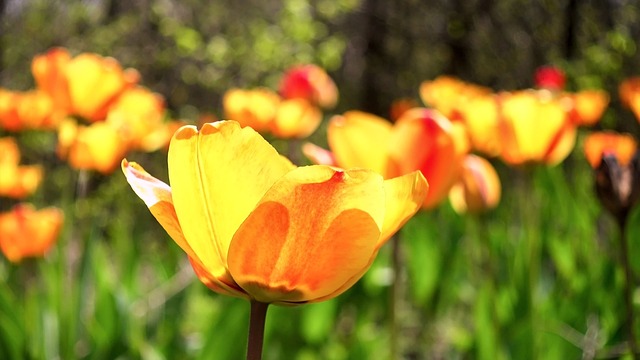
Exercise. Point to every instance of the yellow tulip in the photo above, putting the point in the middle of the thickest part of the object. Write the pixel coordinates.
(255, 226)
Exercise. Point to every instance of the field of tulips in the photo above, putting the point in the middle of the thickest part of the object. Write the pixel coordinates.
(472, 223)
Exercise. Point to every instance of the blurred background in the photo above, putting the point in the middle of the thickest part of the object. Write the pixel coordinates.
(116, 287)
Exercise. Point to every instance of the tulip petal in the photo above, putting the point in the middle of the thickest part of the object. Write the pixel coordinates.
(404, 197)
(217, 176)
(309, 235)
(358, 139)
(425, 140)
(157, 196)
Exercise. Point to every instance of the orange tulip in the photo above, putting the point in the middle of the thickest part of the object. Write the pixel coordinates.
(478, 189)
(587, 106)
(630, 95)
(84, 85)
(535, 127)
(16, 181)
(9, 119)
(255, 108)
(616, 162)
(422, 139)
(22, 110)
(257, 227)
(49, 71)
(99, 146)
(309, 82)
(598, 144)
(26, 232)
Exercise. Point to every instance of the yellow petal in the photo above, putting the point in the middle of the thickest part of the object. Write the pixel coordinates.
(217, 177)
(359, 139)
(311, 233)
(404, 197)
(157, 196)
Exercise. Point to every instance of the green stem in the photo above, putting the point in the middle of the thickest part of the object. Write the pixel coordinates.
(395, 297)
(256, 330)
(628, 287)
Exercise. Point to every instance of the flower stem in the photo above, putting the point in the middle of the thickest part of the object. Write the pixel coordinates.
(628, 287)
(395, 297)
(256, 330)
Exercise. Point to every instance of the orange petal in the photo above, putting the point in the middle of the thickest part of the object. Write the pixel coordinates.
(596, 144)
(27, 232)
(217, 177)
(359, 139)
(425, 140)
(311, 233)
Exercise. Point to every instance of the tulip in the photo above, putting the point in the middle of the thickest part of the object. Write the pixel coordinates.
(84, 85)
(587, 106)
(26, 232)
(255, 108)
(480, 115)
(99, 146)
(295, 118)
(138, 114)
(446, 93)
(478, 189)
(309, 82)
(616, 161)
(255, 226)
(614, 158)
(16, 181)
(422, 139)
(629, 91)
(535, 128)
(9, 119)
(550, 77)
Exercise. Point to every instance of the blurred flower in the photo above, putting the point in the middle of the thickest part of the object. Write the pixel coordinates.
(446, 93)
(535, 128)
(26, 232)
(550, 77)
(296, 118)
(255, 226)
(309, 82)
(98, 146)
(629, 91)
(255, 108)
(264, 111)
(480, 115)
(16, 181)
(616, 162)
(138, 114)
(22, 110)
(587, 106)
(84, 85)
(478, 189)
(422, 139)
